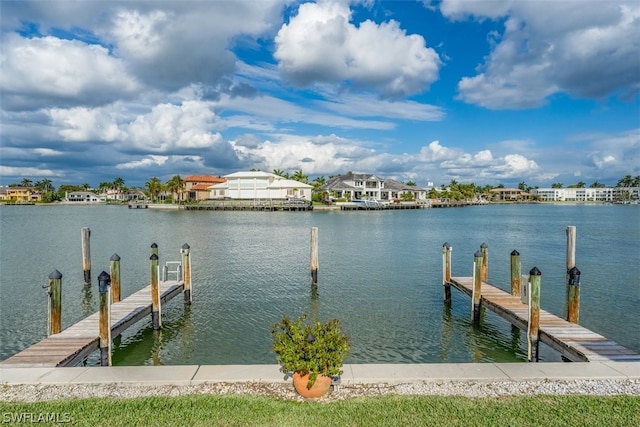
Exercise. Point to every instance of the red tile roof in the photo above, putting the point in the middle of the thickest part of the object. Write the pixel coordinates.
(202, 186)
(204, 178)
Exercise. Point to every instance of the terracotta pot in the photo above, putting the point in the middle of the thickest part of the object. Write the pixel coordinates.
(319, 388)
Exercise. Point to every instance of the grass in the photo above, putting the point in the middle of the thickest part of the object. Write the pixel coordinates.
(390, 410)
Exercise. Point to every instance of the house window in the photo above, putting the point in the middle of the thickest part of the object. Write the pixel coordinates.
(358, 183)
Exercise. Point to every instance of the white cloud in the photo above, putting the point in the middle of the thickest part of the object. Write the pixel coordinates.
(541, 52)
(28, 171)
(84, 125)
(320, 44)
(49, 71)
(169, 127)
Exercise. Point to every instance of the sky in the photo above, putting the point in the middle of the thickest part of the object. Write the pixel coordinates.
(485, 92)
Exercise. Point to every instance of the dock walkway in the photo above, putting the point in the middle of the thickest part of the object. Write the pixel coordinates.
(74, 344)
(574, 342)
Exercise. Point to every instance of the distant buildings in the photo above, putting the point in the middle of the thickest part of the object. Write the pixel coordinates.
(359, 186)
(259, 185)
(20, 194)
(604, 194)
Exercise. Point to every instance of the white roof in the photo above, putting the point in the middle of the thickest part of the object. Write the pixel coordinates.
(251, 174)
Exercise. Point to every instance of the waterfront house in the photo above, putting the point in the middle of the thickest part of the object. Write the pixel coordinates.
(83, 197)
(355, 186)
(259, 185)
(20, 194)
(509, 195)
(196, 187)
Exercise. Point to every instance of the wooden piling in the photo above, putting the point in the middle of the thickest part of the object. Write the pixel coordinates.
(446, 271)
(86, 255)
(477, 286)
(154, 249)
(115, 277)
(155, 293)
(515, 273)
(572, 290)
(534, 315)
(484, 248)
(55, 303)
(186, 273)
(573, 296)
(314, 255)
(104, 286)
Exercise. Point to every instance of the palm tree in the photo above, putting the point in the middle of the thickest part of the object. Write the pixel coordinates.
(556, 185)
(175, 185)
(278, 172)
(300, 177)
(627, 181)
(636, 181)
(596, 184)
(581, 184)
(154, 186)
(26, 182)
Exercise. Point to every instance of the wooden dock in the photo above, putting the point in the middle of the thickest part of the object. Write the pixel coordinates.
(74, 344)
(574, 342)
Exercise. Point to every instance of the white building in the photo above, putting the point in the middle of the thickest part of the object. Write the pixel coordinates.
(259, 185)
(604, 194)
(84, 197)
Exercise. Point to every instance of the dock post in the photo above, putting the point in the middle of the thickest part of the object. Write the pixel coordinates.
(573, 295)
(186, 273)
(515, 273)
(154, 249)
(155, 293)
(571, 263)
(115, 277)
(104, 286)
(314, 255)
(55, 303)
(485, 261)
(446, 271)
(86, 255)
(477, 286)
(534, 314)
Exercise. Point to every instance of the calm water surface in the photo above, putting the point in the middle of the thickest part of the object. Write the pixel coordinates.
(380, 273)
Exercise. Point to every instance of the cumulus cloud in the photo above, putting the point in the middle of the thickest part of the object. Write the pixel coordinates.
(84, 124)
(168, 127)
(48, 71)
(320, 44)
(541, 52)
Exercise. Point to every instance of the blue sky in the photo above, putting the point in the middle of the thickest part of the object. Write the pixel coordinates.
(490, 92)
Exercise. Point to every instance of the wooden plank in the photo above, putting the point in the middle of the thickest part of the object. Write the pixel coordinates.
(573, 341)
(73, 345)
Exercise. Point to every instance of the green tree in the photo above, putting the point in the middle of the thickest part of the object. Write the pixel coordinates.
(556, 185)
(300, 177)
(411, 183)
(596, 184)
(175, 185)
(636, 181)
(154, 186)
(26, 182)
(278, 172)
(627, 181)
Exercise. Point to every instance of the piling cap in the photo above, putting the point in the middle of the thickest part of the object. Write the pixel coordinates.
(153, 257)
(535, 272)
(446, 245)
(484, 246)
(478, 254)
(115, 257)
(55, 274)
(186, 246)
(104, 280)
(515, 253)
(154, 245)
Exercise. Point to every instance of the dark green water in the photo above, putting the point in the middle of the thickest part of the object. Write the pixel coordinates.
(380, 273)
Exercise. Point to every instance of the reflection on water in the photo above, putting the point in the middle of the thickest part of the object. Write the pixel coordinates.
(379, 272)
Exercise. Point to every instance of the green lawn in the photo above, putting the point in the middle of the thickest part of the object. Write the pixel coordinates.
(390, 410)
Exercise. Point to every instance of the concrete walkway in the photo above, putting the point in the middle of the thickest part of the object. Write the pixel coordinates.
(353, 374)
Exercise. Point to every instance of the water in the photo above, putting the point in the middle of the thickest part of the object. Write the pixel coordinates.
(379, 272)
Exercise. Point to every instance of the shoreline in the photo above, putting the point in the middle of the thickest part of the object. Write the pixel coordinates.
(442, 379)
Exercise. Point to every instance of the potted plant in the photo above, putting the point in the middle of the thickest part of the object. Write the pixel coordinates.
(313, 351)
